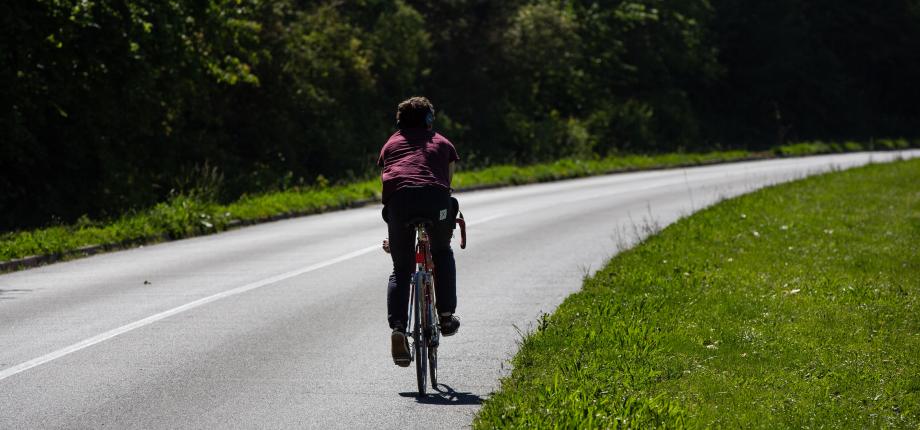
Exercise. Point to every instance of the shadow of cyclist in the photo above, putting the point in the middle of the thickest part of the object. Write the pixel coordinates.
(446, 395)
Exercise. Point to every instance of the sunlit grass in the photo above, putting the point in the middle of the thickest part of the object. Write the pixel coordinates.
(820, 147)
(792, 307)
(185, 216)
(190, 215)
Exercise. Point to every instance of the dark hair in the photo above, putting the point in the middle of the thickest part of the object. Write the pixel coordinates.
(414, 112)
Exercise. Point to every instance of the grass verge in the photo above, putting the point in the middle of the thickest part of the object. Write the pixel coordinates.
(792, 307)
(187, 215)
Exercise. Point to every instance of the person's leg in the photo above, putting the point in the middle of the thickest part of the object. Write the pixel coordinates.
(445, 267)
(403, 254)
(401, 242)
(445, 271)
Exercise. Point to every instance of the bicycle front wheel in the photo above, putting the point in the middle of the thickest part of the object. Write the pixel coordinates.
(420, 338)
(421, 371)
(433, 335)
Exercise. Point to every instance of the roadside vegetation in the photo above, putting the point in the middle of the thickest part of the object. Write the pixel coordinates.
(109, 105)
(197, 212)
(792, 307)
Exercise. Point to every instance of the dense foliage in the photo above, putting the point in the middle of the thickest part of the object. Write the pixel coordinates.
(112, 105)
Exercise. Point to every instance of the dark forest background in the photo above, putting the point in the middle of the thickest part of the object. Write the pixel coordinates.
(108, 106)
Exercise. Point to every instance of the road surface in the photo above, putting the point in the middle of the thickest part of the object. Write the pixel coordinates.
(283, 325)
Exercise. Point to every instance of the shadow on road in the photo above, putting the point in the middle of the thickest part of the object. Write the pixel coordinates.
(446, 395)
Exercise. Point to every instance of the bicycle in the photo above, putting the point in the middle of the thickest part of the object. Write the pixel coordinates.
(426, 332)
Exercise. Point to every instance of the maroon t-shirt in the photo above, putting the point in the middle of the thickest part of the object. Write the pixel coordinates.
(414, 158)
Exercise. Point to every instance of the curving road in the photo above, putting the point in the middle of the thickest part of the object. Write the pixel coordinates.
(283, 325)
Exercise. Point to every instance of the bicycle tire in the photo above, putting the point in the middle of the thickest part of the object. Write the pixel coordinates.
(433, 337)
(433, 366)
(418, 333)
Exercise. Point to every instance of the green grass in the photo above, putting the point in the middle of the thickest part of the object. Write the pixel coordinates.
(570, 168)
(185, 216)
(820, 147)
(793, 307)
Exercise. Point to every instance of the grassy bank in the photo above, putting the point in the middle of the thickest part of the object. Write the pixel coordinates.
(792, 307)
(191, 215)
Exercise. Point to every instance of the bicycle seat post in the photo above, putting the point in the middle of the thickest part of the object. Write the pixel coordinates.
(421, 226)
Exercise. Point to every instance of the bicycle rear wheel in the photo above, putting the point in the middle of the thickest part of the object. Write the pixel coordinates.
(433, 366)
(421, 341)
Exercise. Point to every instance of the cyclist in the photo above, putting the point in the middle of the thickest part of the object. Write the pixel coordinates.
(418, 165)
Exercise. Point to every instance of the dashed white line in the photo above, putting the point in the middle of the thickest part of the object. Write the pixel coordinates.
(22, 367)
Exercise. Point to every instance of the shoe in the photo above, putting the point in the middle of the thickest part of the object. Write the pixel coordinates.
(399, 345)
(449, 324)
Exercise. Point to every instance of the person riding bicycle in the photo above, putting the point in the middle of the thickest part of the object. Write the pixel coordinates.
(417, 167)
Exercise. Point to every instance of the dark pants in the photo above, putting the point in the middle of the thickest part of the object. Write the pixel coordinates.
(403, 205)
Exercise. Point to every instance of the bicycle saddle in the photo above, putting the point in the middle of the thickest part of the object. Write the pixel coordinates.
(419, 221)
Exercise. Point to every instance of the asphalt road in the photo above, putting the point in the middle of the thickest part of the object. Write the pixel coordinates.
(283, 325)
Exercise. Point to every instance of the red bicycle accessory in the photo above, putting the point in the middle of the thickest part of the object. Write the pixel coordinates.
(419, 255)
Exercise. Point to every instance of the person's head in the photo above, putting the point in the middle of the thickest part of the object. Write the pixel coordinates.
(415, 112)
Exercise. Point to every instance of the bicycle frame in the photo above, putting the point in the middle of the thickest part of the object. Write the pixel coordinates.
(424, 277)
(423, 315)
(425, 332)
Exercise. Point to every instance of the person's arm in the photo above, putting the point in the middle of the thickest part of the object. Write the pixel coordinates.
(450, 171)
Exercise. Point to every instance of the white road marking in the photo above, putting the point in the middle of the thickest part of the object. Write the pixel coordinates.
(22, 367)
(487, 219)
